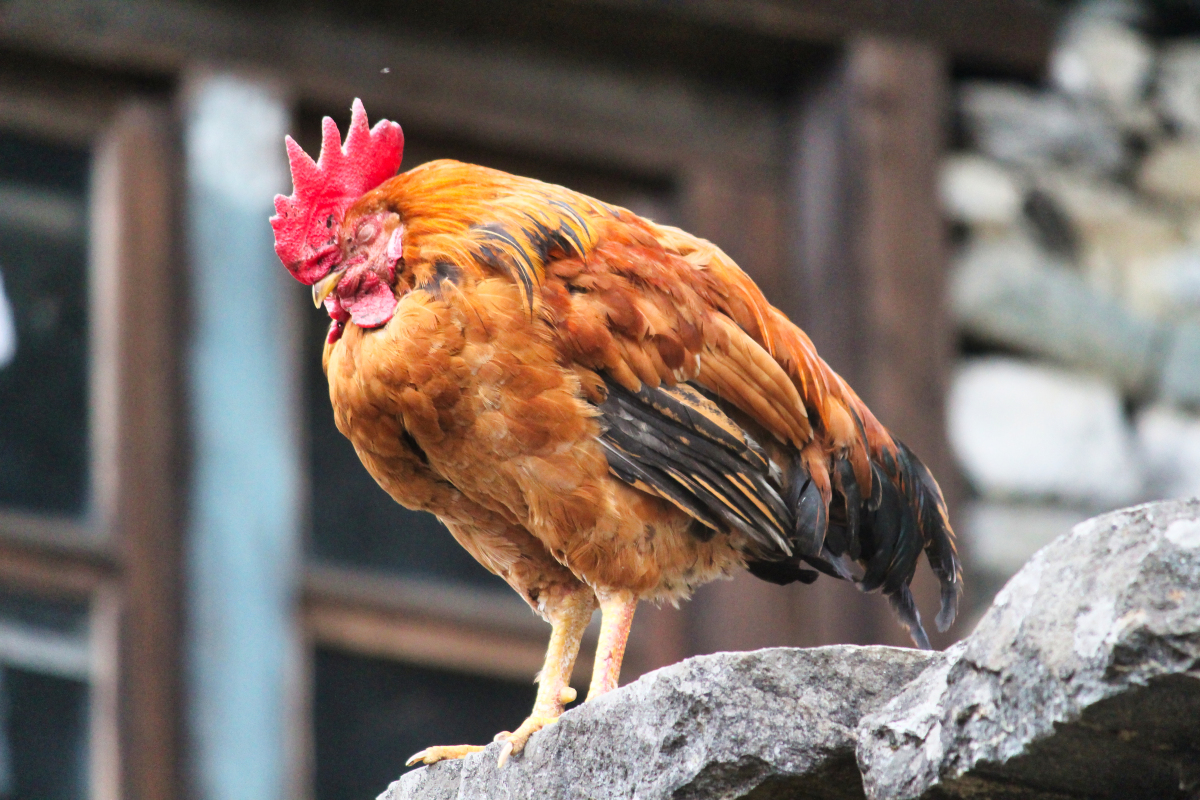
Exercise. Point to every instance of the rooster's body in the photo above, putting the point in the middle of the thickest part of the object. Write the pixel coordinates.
(601, 409)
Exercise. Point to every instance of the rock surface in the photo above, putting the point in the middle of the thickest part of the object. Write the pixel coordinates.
(771, 723)
(1019, 126)
(1023, 430)
(1169, 447)
(1002, 293)
(1082, 680)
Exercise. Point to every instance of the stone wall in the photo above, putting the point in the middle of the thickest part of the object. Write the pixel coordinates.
(1081, 680)
(1076, 284)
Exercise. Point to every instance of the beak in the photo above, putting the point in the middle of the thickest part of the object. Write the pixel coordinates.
(323, 287)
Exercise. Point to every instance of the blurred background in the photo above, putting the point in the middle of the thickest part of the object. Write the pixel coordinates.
(986, 213)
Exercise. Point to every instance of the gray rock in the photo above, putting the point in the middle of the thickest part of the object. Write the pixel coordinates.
(1180, 381)
(1178, 85)
(1105, 60)
(1120, 256)
(769, 724)
(1023, 430)
(1019, 126)
(1082, 680)
(979, 192)
(1091, 202)
(1172, 171)
(1003, 293)
(1169, 447)
(1166, 286)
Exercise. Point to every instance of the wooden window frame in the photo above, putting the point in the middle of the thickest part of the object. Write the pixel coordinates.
(425, 622)
(121, 556)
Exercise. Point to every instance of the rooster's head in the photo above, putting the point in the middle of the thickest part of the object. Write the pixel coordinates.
(313, 237)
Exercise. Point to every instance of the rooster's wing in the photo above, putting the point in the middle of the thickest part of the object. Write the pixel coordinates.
(711, 399)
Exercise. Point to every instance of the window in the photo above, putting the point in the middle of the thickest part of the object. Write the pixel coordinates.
(45, 669)
(372, 714)
(43, 325)
(87, 579)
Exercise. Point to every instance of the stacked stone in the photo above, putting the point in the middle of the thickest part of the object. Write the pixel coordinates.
(1078, 275)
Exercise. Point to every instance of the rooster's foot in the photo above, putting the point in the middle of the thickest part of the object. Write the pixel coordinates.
(515, 742)
(432, 755)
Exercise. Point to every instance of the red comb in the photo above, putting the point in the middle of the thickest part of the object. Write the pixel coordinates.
(306, 224)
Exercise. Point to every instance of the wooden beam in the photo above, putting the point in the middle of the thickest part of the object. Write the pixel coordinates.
(52, 532)
(1007, 34)
(430, 600)
(137, 431)
(870, 255)
(1012, 35)
(429, 623)
(389, 634)
(58, 572)
(741, 212)
(500, 94)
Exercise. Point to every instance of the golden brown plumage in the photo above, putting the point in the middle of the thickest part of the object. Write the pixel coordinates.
(601, 409)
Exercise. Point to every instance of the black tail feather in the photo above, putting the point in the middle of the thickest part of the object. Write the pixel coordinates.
(884, 527)
(847, 485)
(906, 609)
(938, 539)
(884, 533)
(812, 521)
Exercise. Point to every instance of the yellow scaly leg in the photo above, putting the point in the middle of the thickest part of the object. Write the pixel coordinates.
(568, 618)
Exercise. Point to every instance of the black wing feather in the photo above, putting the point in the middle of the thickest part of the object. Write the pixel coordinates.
(678, 443)
(683, 449)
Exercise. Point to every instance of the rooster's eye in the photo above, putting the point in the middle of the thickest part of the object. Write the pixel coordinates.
(366, 233)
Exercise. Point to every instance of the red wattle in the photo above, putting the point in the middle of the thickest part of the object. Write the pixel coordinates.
(371, 303)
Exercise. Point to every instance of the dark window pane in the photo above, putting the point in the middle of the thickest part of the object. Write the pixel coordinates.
(45, 730)
(59, 617)
(372, 714)
(354, 521)
(43, 325)
(43, 699)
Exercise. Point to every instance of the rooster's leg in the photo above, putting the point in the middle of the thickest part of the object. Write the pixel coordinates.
(569, 618)
(569, 614)
(617, 607)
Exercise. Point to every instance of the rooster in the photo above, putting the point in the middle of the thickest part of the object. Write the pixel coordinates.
(602, 410)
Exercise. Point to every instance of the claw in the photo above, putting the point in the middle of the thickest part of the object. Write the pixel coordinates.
(505, 752)
(515, 742)
(432, 755)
